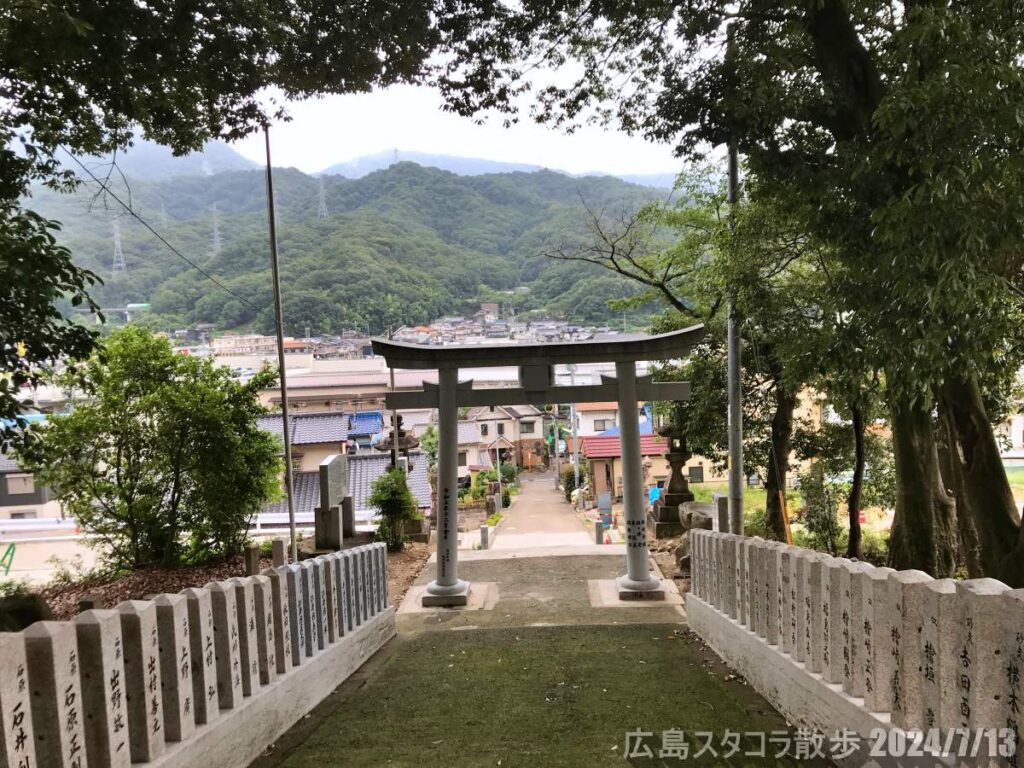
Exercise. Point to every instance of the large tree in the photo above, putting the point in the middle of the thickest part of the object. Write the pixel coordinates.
(87, 76)
(891, 131)
(683, 255)
(165, 462)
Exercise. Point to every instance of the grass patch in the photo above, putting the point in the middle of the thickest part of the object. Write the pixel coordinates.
(530, 696)
(493, 519)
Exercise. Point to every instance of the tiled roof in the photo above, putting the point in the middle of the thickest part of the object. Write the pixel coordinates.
(610, 406)
(366, 423)
(484, 413)
(362, 471)
(310, 428)
(523, 411)
(603, 446)
(646, 428)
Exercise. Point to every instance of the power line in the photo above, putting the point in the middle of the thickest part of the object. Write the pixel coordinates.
(131, 212)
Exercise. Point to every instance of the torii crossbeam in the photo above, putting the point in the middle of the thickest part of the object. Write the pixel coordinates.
(537, 387)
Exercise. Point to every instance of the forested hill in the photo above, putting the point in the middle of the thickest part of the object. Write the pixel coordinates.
(402, 245)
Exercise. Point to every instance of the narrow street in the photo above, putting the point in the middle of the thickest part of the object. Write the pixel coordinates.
(540, 517)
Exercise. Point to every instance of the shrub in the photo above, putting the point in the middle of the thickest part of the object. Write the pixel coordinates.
(568, 481)
(166, 462)
(874, 546)
(391, 497)
(821, 510)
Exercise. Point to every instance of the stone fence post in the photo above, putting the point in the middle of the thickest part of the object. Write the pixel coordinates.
(148, 680)
(922, 653)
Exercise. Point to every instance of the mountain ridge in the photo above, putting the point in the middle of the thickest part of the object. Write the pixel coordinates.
(148, 161)
(401, 245)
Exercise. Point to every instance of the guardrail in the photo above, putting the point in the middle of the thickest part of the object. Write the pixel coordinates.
(206, 676)
(8, 525)
(835, 643)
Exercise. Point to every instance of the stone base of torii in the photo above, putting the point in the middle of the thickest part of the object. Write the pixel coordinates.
(537, 387)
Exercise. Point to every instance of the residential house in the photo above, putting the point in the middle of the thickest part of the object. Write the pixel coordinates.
(515, 431)
(363, 427)
(314, 436)
(21, 498)
(595, 418)
(604, 456)
(472, 458)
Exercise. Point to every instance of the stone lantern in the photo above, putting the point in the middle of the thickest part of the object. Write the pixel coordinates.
(663, 519)
(406, 443)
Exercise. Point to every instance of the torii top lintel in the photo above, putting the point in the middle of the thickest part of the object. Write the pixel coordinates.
(420, 357)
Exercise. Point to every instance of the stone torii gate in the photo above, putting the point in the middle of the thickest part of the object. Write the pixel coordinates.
(537, 387)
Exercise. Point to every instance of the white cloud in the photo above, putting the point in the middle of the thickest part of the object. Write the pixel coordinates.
(337, 128)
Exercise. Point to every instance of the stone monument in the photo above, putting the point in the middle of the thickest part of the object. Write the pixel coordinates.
(328, 519)
(692, 514)
(663, 520)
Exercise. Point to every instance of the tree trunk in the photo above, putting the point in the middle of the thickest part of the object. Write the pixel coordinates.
(1012, 568)
(952, 476)
(984, 494)
(923, 532)
(778, 463)
(853, 500)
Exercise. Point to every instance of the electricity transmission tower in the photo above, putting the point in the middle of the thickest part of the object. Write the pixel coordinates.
(321, 211)
(216, 230)
(119, 265)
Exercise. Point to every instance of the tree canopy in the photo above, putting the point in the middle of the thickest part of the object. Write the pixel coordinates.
(889, 134)
(165, 463)
(85, 78)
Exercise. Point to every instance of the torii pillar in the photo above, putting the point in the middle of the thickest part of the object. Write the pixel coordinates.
(538, 386)
(447, 589)
(637, 583)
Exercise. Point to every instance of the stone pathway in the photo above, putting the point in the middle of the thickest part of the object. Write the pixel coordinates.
(541, 668)
(540, 517)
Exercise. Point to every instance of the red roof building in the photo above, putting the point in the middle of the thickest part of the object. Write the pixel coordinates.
(598, 447)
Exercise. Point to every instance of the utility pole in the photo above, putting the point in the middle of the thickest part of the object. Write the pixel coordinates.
(497, 455)
(394, 412)
(279, 318)
(575, 439)
(734, 344)
(558, 452)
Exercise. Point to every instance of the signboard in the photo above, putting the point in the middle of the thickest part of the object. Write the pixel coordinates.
(333, 480)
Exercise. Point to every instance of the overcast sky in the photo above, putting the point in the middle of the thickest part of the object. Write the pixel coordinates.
(330, 130)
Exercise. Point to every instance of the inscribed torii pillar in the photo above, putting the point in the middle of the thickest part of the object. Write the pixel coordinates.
(537, 387)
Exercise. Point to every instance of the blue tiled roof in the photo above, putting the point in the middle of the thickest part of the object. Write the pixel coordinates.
(646, 428)
(366, 423)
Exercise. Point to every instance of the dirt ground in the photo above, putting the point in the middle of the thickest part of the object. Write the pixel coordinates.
(403, 568)
(663, 553)
(63, 598)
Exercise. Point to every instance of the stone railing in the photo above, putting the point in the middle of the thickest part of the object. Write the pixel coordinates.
(207, 676)
(840, 644)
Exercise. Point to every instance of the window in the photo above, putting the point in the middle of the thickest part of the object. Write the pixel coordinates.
(24, 514)
(527, 427)
(20, 484)
(483, 430)
(697, 474)
(501, 428)
(600, 425)
(462, 458)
